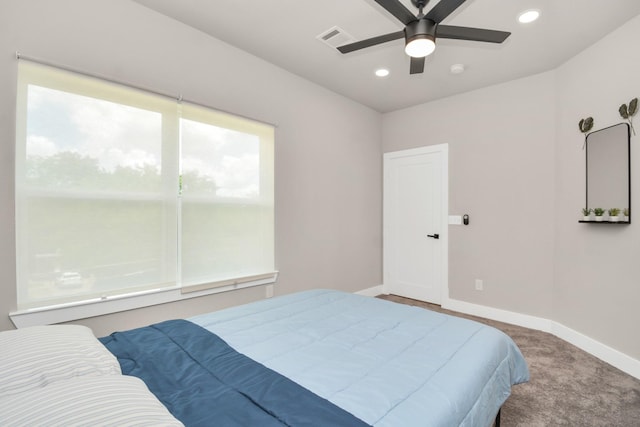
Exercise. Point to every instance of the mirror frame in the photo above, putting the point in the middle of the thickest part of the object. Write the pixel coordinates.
(628, 164)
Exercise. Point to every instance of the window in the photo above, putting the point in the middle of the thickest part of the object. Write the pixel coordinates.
(121, 191)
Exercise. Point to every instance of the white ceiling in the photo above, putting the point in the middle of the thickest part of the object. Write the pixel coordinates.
(284, 33)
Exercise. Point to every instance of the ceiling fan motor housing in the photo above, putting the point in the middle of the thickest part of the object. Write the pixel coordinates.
(422, 28)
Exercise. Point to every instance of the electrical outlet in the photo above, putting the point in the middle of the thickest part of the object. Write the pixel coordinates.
(268, 291)
(479, 285)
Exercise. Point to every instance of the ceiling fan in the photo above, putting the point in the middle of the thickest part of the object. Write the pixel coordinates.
(420, 32)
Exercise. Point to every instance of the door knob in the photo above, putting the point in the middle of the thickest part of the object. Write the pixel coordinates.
(433, 236)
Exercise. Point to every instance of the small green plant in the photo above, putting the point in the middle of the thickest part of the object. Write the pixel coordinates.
(625, 212)
(614, 212)
(586, 211)
(598, 211)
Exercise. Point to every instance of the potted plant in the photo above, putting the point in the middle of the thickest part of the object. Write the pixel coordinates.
(586, 214)
(598, 212)
(625, 212)
(613, 214)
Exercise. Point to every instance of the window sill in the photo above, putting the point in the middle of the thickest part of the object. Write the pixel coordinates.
(107, 305)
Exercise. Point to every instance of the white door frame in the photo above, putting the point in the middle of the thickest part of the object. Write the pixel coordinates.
(443, 149)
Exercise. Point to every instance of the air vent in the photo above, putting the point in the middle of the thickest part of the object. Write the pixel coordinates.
(335, 36)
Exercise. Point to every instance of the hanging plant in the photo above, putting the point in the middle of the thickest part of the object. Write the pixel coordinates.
(585, 126)
(628, 111)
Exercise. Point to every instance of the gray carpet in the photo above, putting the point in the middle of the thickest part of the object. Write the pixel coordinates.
(568, 386)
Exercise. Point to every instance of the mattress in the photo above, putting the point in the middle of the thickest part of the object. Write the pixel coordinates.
(386, 363)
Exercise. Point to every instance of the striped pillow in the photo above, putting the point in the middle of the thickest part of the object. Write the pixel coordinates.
(40, 355)
(107, 400)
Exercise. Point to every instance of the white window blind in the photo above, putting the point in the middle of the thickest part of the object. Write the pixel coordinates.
(119, 191)
(227, 197)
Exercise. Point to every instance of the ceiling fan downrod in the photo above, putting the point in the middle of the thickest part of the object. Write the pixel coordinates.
(420, 35)
(420, 4)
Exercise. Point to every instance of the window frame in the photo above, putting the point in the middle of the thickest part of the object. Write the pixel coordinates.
(122, 301)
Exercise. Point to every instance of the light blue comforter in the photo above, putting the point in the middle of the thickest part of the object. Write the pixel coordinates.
(388, 364)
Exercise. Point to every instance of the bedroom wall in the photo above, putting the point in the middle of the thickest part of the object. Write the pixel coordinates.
(597, 275)
(501, 173)
(328, 148)
(518, 169)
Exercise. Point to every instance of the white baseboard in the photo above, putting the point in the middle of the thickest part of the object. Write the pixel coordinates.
(372, 292)
(603, 352)
(511, 317)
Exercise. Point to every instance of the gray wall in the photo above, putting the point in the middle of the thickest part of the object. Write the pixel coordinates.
(597, 276)
(518, 169)
(328, 148)
(501, 172)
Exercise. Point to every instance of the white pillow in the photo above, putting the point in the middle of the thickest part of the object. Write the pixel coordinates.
(40, 355)
(106, 400)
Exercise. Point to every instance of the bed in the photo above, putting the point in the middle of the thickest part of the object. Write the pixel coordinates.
(323, 357)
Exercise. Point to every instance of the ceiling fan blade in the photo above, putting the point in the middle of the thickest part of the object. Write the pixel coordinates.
(371, 42)
(398, 10)
(443, 9)
(468, 33)
(417, 65)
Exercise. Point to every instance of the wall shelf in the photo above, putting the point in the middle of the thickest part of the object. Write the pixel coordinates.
(605, 222)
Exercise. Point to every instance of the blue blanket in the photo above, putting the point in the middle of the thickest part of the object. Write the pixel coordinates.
(203, 381)
(388, 364)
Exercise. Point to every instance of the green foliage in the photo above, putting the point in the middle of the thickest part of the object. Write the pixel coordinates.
(625, 211)
(585, 125)
(614, 212)
(67, 170)
(633, 106)
(598, 211)
(628, 111)
(586, 211)
(624, 112)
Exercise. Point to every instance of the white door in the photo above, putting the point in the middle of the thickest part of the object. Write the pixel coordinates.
(415, 223)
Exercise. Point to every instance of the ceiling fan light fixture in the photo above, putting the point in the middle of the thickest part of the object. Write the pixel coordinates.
(420, 39)
(420, 47)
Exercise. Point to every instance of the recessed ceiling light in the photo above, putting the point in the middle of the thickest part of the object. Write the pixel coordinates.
(382, 72)
(528, 16)
(457, 68)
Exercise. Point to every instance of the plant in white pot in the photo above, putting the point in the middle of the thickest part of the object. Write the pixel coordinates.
(613, 214)
(625, 212)
(598, 212)
(586, 214)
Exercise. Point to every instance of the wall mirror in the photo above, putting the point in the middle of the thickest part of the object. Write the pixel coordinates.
(609, 168)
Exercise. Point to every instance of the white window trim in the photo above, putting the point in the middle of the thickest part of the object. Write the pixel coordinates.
(117, 303)
(164, 293)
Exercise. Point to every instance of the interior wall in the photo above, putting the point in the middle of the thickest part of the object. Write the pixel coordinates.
(501, 173)
(328, 148)
(518, 169)
(597, 273)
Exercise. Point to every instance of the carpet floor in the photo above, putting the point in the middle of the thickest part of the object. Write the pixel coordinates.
(568, 386)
